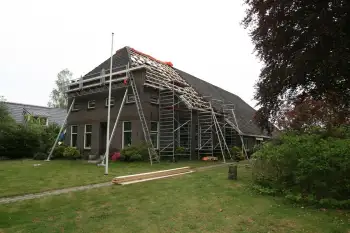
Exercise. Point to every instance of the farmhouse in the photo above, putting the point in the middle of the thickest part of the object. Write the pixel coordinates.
(178, 114)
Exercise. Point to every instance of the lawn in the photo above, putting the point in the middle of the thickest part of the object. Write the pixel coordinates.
(22, 177)
(199, 202)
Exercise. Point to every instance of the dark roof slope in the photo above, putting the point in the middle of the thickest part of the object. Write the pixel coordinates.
(243, 111)
(55, 115)
(120, 59)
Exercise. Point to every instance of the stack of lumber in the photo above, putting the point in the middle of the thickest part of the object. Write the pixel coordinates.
(141, 177)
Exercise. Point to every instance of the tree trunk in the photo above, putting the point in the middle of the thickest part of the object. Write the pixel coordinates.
(232, 172)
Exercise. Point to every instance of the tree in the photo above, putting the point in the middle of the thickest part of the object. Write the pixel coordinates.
(58, 96)
(5, 116)
(306, 113)
(305, 48)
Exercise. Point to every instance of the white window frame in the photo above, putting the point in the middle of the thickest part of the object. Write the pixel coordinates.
(123, 131)
(112, 101)
(128, 101)
(85, 133)
(155, 132)
(74, 105)
(91, 101)
(71, 135)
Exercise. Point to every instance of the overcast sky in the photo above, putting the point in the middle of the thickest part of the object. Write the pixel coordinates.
(40, 38)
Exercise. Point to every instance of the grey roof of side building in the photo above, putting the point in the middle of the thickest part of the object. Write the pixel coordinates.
(243, 111)
(55, 115)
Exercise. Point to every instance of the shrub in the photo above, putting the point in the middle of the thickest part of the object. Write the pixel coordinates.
(136, 157)
(40, 156)
(237, 153)
(71, 153)
(18, 141)
(180, 150)
(312, 167)
(24, 140)
(135, 153)
(58, 152)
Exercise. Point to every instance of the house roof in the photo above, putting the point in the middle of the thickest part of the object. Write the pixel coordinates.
(243, 111)
(162, 74)
(17, 110)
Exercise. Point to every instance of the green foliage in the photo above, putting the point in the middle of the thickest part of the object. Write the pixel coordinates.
(237, 153)
(58, 152)
(58, 96)
(71, 153)
(5, 116)
(136, 157)
(40, 156)
(18, 141)
(180, 150)
(24, 140)
(312, 166)
(137, 152)
(304, 47)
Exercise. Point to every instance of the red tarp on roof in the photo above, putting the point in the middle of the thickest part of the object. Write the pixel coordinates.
(152, 58)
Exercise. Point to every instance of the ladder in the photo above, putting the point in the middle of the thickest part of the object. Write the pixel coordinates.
(205, 133)
(230, 118)
(220, 136)
(153, 155)
(166, 124)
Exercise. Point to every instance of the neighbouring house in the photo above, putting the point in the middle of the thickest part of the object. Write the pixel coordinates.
(185, 116)
(21, 113)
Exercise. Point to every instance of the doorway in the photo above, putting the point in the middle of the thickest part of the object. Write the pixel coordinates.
(103, 137)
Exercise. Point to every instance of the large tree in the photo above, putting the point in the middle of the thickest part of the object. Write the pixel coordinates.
(305, 48)
(58, 98)
(305, 113)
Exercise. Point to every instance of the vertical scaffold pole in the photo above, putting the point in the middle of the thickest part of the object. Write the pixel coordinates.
(109, 107)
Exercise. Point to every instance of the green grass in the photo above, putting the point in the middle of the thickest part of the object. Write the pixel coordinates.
(199, 202)
(21, 177)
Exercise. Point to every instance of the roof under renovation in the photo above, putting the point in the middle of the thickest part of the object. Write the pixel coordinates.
(161, 74)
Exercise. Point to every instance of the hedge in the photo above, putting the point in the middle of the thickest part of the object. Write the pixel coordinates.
(312, 167)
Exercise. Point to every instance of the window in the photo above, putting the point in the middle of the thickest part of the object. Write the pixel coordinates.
(126, 139)
(112, 102)
(259, 140)
(245, 140)
(154, 99)
(155, 134)
(87, 136)
(130, 98)
(91, 104)
(75, 107)
(73, 135)
(39, 120)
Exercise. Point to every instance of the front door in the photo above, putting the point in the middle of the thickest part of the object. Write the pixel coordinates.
(103, 137)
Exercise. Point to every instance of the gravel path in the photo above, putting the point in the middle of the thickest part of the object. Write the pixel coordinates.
(79, 188)
(50, 193)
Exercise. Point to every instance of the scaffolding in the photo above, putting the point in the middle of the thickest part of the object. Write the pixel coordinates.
(175, 125)
(205, 133)
(183, 131)
(231, 120)
(166, 123)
